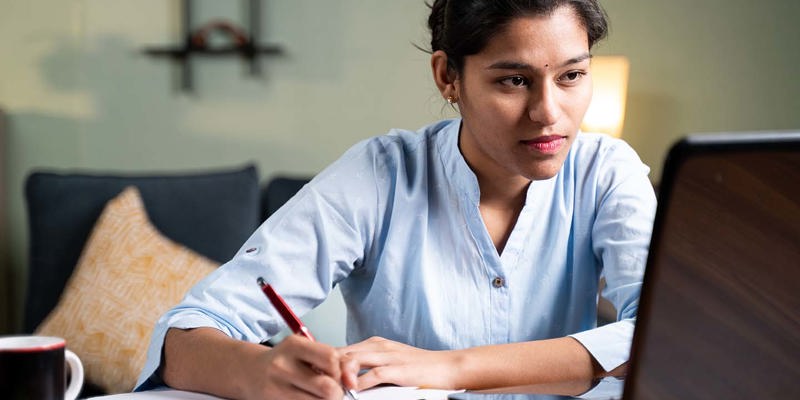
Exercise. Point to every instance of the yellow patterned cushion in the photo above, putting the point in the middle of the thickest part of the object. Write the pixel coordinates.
(128, 275)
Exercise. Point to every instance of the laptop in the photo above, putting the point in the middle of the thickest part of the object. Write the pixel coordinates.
(719, 313)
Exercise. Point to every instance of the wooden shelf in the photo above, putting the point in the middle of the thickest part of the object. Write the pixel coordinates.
(244, 51)
(244, 46)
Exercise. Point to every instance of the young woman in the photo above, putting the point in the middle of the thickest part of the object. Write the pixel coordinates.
(468, 253)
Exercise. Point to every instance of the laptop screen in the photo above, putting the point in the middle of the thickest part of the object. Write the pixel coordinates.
(719, 315)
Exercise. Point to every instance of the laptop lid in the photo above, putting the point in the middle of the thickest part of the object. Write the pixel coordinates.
(719, 314)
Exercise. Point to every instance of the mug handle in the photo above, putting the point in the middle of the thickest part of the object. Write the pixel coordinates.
(76, 375)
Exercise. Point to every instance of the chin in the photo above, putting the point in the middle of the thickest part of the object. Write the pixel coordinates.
(542, 176)
(544, 171)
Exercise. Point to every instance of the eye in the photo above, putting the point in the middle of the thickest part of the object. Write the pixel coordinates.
(571, 77)
(516, 81)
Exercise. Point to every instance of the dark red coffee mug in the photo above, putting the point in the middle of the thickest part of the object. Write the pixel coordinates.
(34, 368)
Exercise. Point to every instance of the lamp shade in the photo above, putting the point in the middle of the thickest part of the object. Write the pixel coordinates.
(607, 110)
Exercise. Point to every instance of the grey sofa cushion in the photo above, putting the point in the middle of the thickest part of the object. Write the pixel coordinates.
(278, 191)
(212, 213)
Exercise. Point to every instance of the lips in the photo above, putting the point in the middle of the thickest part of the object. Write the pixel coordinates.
(550, 144)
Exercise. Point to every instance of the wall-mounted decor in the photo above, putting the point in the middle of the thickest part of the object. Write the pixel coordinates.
(196, 41)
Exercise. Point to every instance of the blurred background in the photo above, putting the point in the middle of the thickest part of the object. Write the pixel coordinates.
(79, 92)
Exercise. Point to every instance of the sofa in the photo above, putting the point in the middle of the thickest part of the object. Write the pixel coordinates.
(206, 213)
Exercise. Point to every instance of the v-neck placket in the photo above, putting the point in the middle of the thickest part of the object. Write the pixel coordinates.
(496, 267)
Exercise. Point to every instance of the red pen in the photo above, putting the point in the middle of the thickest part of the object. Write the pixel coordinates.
(295, 324)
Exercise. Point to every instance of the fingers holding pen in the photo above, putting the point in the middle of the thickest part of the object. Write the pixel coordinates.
(335, 371)
(328, 362)
(320, 356)
(307, 368)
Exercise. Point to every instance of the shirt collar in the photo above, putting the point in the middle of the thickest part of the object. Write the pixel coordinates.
(460, 175)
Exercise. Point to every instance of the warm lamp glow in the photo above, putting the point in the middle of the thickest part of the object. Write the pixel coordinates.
(607, 109)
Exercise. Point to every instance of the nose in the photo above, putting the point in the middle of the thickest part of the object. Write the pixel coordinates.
(544, 108)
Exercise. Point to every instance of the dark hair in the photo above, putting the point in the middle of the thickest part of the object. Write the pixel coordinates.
(463, 27)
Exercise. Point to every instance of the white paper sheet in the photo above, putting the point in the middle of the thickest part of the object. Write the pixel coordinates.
(379, 393)
(161, 394)
(403, 393)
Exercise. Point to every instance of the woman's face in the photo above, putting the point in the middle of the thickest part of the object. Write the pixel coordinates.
(522, 98)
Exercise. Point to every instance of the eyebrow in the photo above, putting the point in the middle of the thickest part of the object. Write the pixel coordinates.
(520, 65)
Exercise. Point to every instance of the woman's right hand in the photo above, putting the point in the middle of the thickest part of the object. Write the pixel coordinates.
(206, 360)
(298, 368)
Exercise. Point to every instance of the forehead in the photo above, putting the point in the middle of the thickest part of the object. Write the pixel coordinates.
(544, 39)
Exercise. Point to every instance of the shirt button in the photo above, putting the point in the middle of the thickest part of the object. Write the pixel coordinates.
(498, 282)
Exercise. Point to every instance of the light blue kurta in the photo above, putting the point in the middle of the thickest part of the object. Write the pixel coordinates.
(395, 222)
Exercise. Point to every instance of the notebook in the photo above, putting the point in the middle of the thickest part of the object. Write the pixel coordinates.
(719, 314)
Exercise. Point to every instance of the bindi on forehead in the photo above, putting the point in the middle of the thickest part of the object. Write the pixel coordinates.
(518, 65)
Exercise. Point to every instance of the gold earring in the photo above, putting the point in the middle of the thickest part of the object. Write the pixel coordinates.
(450, 100)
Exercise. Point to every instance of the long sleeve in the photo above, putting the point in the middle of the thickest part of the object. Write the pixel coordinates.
(625, 204)
(306, 248)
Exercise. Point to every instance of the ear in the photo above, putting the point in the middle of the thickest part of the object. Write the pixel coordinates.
(442, 75)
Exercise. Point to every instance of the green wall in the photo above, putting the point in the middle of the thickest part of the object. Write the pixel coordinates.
(702, 66)
(81, 95)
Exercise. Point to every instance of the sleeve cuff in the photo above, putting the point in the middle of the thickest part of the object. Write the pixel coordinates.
(148, 378)
(610, 344)
(607, 388)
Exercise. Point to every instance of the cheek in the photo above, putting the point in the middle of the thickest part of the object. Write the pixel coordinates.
(497, 112)
(485, 105)
(504, 110)
(586, 96)
(577, 104)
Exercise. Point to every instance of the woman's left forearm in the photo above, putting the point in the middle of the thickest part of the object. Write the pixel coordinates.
(526, 363)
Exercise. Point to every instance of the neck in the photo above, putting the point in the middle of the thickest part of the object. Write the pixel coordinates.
(501, 202)
(503, 191)
(499, 187)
